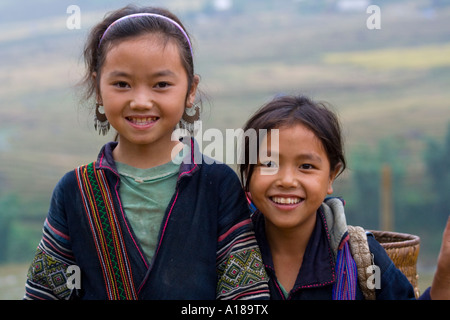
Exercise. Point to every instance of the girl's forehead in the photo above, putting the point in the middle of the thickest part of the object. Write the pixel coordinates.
(144, 52)
(150, 42)
(296, 133)
(293, 139)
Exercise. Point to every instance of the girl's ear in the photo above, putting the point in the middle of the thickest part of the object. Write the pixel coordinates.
(333, 174)
(192, 92)
(98, 97)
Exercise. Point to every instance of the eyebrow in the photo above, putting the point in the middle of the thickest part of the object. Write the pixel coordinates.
(303, 156)
(118, 74)
(310, 156)
(161, 73)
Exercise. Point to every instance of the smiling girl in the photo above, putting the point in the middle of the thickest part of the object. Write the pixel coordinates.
(303, 235)
(145, 221)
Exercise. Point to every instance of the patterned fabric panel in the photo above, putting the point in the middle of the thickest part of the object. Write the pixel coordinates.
(241, 271)
(47, 277)
(106, 232)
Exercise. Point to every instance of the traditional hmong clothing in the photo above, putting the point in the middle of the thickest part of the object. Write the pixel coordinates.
(206, 248)
(328, 270)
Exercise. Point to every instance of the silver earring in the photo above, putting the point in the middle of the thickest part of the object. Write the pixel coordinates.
(101, 123)
(190, 116)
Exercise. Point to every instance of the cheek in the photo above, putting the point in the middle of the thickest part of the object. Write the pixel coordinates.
(252, 189)
(110, 107)
(318, 187)
(259, 184)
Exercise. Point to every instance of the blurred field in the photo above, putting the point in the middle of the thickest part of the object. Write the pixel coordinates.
(388, 82)
(425, 57)
(12, 281)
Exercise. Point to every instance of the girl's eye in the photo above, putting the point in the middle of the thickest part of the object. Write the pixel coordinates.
(121, 84)
(269, 164)
(162, 85)
(306, 166)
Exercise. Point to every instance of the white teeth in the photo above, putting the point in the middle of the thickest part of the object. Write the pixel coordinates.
(283, 200)
(142, 121)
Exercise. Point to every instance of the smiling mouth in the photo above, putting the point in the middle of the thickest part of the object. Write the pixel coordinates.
(141, 121)
(286, 200)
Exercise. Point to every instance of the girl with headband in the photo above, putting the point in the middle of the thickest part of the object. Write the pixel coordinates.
(150, 218)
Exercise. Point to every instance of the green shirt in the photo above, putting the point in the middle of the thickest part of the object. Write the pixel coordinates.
(145, 195)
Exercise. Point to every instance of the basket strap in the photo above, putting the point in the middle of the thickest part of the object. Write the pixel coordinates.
(363, 258)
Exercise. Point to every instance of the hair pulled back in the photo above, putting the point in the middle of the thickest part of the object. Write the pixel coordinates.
(287, 111)
(95, 52)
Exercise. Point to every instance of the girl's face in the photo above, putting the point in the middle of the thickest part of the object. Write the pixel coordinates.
(300, 181)
(144, 89)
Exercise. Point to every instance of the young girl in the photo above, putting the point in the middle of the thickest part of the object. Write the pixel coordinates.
(303, 237)
(137, 224)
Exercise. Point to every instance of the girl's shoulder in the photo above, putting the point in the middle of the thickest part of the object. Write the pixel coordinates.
(390, 283)
(380, 256)
(214, 166)
(221, 175)
(68, 180)
(366, 249)
(71, 178)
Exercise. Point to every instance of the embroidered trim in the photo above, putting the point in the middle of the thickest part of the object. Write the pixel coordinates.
(106, 232)
(243, 275)
(47, 277)
(241, 269)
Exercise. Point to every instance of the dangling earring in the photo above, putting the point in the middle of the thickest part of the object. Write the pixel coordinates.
(100, 121)
(190, 116)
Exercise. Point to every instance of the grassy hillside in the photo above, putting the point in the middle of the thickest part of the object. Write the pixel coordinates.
(384, 82)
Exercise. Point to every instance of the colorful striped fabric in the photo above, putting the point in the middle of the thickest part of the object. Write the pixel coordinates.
(106, 232)
(346, 275)
(47, 275)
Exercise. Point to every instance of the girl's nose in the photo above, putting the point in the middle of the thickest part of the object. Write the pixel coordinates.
(141, 100)
(287, 178)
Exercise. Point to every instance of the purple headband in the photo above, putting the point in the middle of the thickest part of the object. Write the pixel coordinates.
(145, 14)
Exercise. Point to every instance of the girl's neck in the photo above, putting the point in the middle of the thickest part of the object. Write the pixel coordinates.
(146, 156)
(289, 241)
(288, 248)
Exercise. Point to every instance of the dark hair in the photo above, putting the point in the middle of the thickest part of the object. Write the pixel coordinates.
(286, 111)
(95, 53)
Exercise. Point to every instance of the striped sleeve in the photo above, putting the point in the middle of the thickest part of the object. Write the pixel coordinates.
(48, 277)
(240, 268)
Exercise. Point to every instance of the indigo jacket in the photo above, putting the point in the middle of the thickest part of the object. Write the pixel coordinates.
(318, 274)
(206, 249)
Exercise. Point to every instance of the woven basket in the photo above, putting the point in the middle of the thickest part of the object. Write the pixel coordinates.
(403, 249)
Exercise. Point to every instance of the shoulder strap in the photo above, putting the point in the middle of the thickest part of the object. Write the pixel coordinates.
(363, 258)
